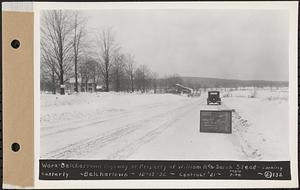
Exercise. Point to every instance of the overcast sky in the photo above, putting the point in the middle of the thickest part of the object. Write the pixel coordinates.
(232, 44)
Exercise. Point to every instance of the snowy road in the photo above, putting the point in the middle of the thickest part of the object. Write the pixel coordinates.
(112, 136)
(167, 127)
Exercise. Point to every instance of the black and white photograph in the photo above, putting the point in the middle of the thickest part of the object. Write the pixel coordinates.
(130, 84)
(150, 95)
(165, 92)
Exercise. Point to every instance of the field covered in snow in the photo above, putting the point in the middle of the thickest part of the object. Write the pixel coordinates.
(163, 126)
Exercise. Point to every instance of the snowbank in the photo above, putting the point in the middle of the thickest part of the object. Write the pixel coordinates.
(163, 126)
(263, 124)
(60, 108)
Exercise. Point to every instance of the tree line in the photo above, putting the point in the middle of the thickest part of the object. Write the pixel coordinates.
(66, 53)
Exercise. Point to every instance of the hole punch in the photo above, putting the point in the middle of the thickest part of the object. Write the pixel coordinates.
(15, 147)
(15, 44)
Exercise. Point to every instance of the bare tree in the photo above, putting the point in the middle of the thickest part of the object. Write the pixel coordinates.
(154, 81)
(107, 49)
(56, 33)
(118, 73)
(79, 25)
(171, 80)
(87, 70)
(130, 70)
(48, 70)
(142, 78)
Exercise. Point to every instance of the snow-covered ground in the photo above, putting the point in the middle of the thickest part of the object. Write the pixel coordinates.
(163, 126)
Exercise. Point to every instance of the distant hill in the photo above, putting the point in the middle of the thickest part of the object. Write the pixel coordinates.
(196, 82)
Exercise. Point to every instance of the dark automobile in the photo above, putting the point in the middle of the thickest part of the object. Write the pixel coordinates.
(214, 97)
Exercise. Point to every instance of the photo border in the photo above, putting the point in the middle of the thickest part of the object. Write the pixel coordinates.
(293, 99)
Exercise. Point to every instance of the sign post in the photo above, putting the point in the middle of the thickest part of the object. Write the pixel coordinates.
(216, 121)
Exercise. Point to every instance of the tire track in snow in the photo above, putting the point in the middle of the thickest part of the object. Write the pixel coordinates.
(90, 123)
(89, 145)
(51, 125)
(129, 148)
